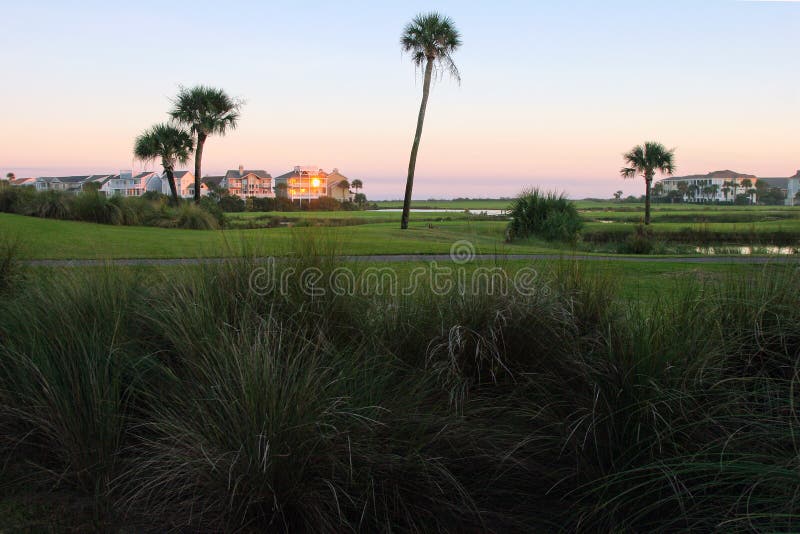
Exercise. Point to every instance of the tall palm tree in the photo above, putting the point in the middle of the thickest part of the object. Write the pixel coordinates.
(646, 160)
(357, 185)
(171, 144)
(205, 111)
(431, 39)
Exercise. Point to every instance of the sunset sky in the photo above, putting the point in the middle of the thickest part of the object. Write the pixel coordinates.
(552, 91)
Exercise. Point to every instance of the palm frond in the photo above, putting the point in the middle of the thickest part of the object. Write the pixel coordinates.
(432, 37)
(205, 110)
(169, 143)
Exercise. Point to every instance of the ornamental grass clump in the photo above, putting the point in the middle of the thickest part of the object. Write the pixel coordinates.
(547, 215)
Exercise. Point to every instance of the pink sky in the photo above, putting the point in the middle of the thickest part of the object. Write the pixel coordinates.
(557, 112)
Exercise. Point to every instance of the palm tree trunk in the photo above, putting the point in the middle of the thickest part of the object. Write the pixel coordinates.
(172, 189)
(648, 180)
(198, 159)
(426, 89)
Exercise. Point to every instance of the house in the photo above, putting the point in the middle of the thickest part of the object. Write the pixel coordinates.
(23, 182)
(711, 187)
(304, 182)
(204, 190)
(183, 181)
(790, 187)
(96, 181)
(154, 183)
(71, 184)
(123, 184)
(339, 187)
(212, 182)
(248, 183)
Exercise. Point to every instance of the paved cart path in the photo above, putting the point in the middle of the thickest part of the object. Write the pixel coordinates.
(396, 258)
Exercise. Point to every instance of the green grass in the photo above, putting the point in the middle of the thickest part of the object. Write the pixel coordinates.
(368, 215)
(55, 239)
(374, 232)
(474, 205)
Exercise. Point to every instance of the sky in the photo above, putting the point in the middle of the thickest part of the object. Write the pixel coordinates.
(552, 91)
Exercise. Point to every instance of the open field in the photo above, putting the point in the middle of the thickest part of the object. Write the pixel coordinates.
(475, 205)
(376, 232)
(55, 239)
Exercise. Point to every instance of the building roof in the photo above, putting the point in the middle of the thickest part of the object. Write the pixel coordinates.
(145, 174)
(781, 183)
(300, 169)
(727, 174)
(180, 174)
(236, 174)
(335, 178)
(64, 179)
(212, 181)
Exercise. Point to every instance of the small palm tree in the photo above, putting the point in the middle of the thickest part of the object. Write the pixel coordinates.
(693, 189)
(205, 111)
(747, 184)
(171, 144)
(431, 39)
(735, 187)
(646, 160)
(714, 191)
(280, 189)
(357, 185)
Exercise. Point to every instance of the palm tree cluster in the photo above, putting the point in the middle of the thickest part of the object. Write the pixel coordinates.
(198, 112)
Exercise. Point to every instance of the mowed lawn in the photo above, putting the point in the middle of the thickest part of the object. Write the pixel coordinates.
(472, 205)
(375, 232)
(55, 239)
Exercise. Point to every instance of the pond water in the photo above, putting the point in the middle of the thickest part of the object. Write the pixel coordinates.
(446, 210)
(746, 250)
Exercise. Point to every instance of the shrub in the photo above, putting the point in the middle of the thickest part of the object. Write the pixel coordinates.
(13, 199)
(639, 242)
(155, 196)
(231, 203)
(48, 204)
(213, 208)
(193, 217)
(323, 204)
(548, 215)
(93, 206)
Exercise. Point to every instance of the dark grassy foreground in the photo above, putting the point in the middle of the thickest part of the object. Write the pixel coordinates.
(144, 400)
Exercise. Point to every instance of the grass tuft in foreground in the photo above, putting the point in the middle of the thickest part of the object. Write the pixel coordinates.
(192, 401)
